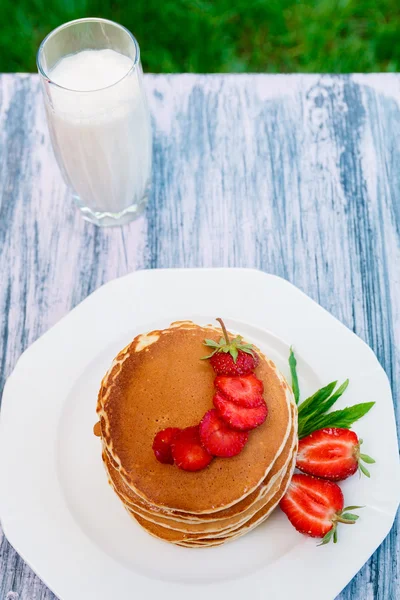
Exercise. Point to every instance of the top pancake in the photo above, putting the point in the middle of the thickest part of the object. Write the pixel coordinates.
(164, 383)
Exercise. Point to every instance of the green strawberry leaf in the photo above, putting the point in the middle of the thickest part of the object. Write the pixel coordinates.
(350, 516)
(211, 343)
(234, 353)
(246, 350)
(327, 537)
(246, 346)
(367, 459)
(364, 470)
(209, 355)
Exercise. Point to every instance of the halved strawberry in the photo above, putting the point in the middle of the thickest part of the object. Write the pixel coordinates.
(245, 390)
(218, 438)
(188, 452)
(237, 416)
(332, 453)
(315, 507)
(162, 444)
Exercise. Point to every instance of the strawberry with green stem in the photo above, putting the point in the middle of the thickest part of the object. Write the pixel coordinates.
(231, 357)
(332, 453)
(315, 507)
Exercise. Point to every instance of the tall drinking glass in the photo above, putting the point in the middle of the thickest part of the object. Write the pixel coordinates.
(98, 117)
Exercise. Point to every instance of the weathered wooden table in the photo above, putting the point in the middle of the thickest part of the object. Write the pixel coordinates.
(295, 175)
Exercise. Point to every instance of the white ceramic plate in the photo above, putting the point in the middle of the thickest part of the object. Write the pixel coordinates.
(56, 507)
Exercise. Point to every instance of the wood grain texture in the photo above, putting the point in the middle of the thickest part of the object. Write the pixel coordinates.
(294, 175)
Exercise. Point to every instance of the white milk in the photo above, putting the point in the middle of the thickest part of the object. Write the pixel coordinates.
(100, 128)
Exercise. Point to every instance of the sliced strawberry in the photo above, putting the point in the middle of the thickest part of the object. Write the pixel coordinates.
(245, 390)
(237, 416)
(162, 445)
(332, 453)
(188, 452)
(218, 438)
(315, 507)
(224, 363)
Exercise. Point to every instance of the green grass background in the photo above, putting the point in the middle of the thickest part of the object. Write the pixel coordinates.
(223, 35)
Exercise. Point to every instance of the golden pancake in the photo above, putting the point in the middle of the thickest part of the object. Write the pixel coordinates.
(211, 539)
(213, 528)
(257, 520)
(239, 510)
(133, 501)
(198, 544)
(260, 511)
(263, 513)
(159, 381)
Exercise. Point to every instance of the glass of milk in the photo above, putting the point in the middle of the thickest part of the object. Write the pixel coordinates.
(98, 117)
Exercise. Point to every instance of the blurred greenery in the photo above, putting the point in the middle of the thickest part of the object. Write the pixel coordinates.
(223, 35)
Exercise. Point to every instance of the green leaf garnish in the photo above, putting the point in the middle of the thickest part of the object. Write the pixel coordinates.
(313, 403)
(329, 402)
(293, 373)
(338, 418)
(313, 412)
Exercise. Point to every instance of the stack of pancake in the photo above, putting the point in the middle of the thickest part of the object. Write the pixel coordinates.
(159, 381)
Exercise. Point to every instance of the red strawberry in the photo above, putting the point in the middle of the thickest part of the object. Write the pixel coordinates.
(245, 390)
(187, 451)
(218, 438)
(162, 444)
(315, 507)
(223, 363)
(237, 416)
(332, 453)
(231, 357)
